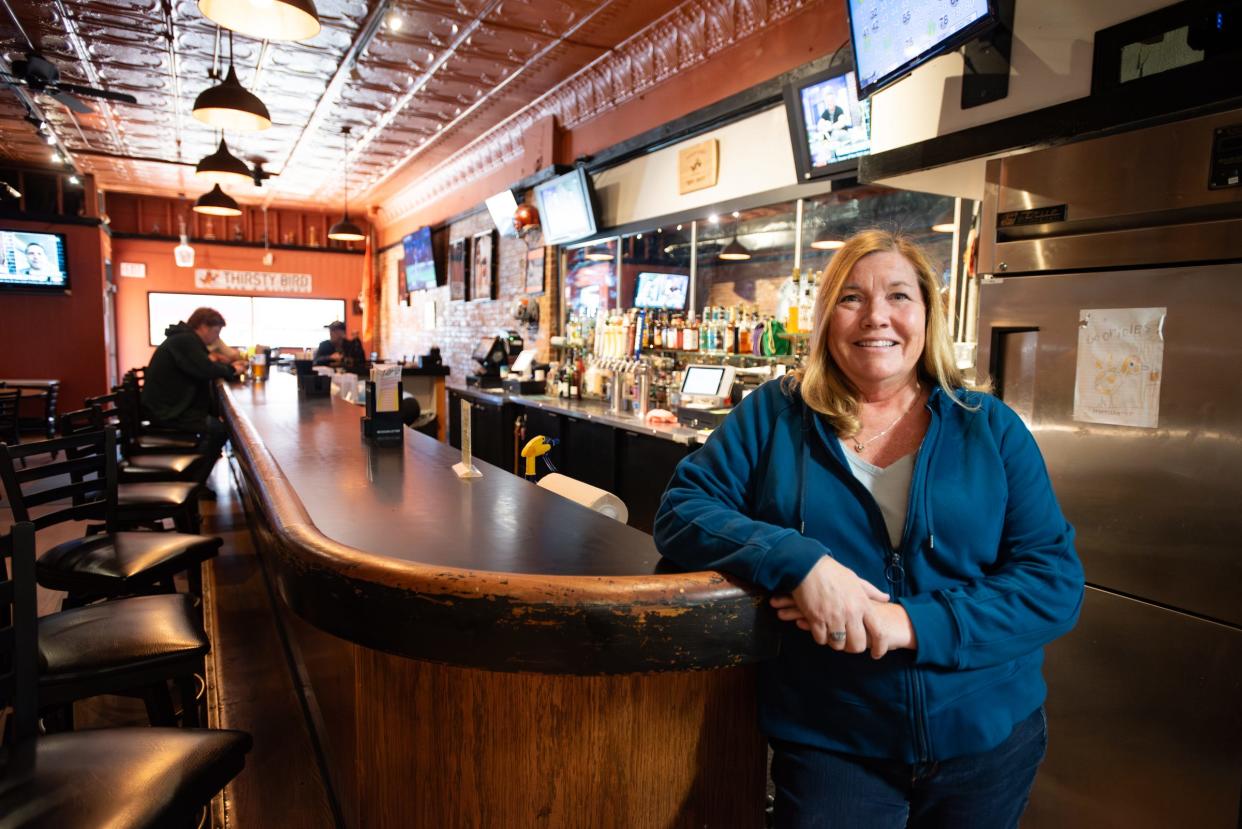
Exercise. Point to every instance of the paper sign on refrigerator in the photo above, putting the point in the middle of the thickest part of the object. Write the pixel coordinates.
(1120, 366)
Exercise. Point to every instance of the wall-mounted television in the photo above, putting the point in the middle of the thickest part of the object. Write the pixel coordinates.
(662, 290)
(829, 127)
(502, 206)
(420, 262)
(892, 37)
(33, 262)
(565, 209)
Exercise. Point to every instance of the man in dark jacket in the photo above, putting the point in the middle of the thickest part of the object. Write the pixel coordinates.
(177, 392)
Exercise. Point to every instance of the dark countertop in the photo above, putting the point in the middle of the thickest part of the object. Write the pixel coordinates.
(593, 410)
(388, 548)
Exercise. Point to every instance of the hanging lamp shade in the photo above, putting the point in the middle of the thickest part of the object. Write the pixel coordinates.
(735, 250)
(598, 253)
(264, 19)
(346, 231)
(216, 202)
(230, 106)
(222, 167)
(828, 239)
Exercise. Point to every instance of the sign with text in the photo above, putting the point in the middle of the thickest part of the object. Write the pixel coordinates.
(252, 282)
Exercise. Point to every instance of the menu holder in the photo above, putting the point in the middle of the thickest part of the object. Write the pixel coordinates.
(383, 428)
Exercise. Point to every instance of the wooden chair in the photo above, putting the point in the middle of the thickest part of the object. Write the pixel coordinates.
(114, 563)
(119, 777)
(143, 467)
(129, 646)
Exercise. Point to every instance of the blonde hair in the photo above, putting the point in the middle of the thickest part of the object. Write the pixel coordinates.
(824, 387)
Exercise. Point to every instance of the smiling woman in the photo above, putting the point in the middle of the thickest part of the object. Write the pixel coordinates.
(822, 489)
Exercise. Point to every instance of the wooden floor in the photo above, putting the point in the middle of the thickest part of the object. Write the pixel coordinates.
(249, 684)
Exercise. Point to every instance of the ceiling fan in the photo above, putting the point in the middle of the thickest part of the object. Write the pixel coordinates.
(41, 75)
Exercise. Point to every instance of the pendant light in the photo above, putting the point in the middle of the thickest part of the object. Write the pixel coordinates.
(345, 230)
(265, 19)
(735, 250)
(222, 167)
(216, 202)
(828, 239)
(230, 106)
(598, 253)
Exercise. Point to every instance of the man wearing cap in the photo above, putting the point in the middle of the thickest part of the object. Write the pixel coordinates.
(338, 351)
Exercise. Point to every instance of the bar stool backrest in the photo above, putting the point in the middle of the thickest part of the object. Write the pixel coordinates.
(10, 399)
(89, 464)
(19, 648)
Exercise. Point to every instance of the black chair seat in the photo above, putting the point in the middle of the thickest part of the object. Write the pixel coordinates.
(151, 441)
(123, 636)
(141, 466)
(122, 562)
(161, 494)
(118, 777)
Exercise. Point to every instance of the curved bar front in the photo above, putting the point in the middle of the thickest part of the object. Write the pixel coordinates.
(517, 659)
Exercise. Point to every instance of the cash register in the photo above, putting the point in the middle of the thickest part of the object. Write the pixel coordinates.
(492, 353)
(705, 396)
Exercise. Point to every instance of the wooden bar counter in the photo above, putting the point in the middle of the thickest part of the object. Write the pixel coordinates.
(486, 653)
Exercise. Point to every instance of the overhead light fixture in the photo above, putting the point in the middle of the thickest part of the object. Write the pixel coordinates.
(735, 250)
(222, 167)
(345, 230)
(10, 191)
(74, 180)
(265, 19)
(944, 222)
(216, 202)
(598, 254)
(393, 22)
(828, 239)
(230, 106)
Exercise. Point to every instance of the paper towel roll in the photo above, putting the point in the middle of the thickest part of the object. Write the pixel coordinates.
(593, 497)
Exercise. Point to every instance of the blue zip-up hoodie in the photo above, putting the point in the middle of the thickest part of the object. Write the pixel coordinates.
(986, 570)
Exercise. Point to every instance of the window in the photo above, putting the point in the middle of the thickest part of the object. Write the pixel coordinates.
(279, 322)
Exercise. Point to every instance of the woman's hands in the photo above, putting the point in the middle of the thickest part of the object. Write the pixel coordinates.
(833, 599)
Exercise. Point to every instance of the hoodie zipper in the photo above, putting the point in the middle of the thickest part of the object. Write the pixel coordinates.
(894, 568)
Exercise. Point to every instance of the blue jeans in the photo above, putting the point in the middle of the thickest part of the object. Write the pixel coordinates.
(818, 788)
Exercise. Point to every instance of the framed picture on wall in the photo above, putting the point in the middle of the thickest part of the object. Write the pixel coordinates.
(458, 268)
(483, 266)
(535, 259)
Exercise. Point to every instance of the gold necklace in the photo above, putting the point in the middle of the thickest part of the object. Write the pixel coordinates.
(859, 446)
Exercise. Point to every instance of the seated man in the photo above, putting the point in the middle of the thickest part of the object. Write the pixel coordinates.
(338, 352)
(177, 392)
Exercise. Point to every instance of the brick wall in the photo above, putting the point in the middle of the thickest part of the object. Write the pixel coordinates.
(459, 324)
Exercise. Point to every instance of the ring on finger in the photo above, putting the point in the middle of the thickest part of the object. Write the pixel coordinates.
(837, 635)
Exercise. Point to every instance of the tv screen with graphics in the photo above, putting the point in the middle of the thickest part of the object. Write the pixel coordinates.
(420, 263)
(662, 290)
(32, 261)
(891, 37)
(565, 209)
(829, 127)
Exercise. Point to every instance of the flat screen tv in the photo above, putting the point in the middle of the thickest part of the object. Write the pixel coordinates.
(502, 206)
(829, 127)
(420, 263)
(891, 37)
(662, 290)
(33, 262)
(565, 210)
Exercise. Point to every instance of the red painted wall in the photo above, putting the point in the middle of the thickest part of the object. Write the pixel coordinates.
(334, 276)
(60, 336)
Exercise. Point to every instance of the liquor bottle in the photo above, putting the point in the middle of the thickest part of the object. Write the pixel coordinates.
(575, 377)
(744, 329)
(705, 330)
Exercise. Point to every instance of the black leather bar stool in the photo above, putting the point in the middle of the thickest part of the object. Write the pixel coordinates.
(117, 777)
(110, 564)
(129, 646)
(188, 466)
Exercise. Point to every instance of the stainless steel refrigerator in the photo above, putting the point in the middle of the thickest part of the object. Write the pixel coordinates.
(1111, 320)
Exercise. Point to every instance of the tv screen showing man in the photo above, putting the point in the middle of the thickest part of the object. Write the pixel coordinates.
(36, 259)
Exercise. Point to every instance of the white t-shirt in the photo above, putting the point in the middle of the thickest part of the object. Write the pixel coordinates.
(889, 486)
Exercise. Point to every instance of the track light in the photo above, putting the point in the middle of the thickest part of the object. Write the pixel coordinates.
(265, 19)
(74, 180)
(216, 202)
